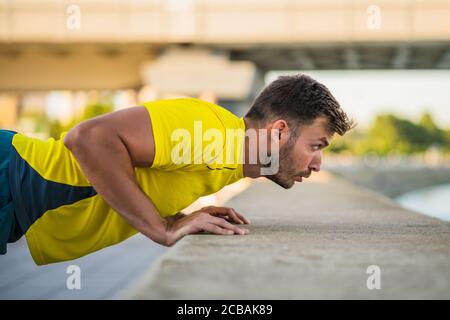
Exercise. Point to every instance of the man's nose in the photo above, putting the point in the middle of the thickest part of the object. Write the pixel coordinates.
(316, 162)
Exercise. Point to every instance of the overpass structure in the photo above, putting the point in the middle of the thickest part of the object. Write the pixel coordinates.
(112, 44)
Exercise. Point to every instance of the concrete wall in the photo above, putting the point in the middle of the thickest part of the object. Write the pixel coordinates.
(76, 67)
(315, 240)
(395, 181)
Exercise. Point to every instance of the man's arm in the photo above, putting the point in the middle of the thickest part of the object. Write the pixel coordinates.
(108, 148)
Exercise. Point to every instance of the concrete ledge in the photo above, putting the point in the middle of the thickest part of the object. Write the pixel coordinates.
(315, 240)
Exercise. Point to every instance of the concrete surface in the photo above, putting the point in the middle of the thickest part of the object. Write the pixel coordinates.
(315, 240)
(104, 274)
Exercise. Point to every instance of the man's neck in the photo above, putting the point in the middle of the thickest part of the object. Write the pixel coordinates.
(249, 170)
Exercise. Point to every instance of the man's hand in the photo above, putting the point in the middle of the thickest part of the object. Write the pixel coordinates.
(210, 219)
(227, 213)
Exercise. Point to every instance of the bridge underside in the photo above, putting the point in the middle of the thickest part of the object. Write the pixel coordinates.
(384, 55)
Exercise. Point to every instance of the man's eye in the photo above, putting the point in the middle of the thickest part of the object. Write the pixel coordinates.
(317, 147)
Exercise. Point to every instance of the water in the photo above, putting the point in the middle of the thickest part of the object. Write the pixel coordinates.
(432, 201)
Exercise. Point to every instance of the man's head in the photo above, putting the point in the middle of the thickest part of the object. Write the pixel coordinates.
(306, 115)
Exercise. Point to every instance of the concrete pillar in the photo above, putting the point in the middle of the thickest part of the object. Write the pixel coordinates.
(193, 71)
(240, 106)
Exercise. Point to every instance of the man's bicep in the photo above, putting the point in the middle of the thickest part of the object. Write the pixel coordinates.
(133, 126)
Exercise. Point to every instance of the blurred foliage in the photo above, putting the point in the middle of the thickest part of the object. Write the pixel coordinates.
(447, 141)
(36, 121)
(392, 135)
(90, 111)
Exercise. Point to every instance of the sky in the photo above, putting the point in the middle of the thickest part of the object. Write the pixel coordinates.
(407, 93)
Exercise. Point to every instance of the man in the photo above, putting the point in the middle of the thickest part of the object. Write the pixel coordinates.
(127, 172)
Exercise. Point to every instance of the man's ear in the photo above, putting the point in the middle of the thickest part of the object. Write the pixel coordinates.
(279, 124)
(282, 127)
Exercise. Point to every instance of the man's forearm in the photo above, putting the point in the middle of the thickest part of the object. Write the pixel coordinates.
(105, 162)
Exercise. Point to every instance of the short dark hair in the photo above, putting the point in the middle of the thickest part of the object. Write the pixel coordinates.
(299, 99)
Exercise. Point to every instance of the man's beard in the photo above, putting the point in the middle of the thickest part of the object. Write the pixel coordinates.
(285, 175)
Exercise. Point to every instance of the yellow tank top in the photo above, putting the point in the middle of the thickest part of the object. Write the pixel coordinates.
(64, 218)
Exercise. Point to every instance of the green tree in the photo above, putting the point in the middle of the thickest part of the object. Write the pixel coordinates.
(447, 140)
(435, 134)
(392, 135)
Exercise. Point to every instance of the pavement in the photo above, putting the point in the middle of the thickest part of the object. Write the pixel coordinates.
(319, 240)
(104, 274)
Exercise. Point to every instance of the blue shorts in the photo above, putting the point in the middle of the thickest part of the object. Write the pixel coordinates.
(8, 223)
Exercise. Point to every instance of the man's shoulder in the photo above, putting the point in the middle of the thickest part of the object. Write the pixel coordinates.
(184, 103)
(191, 109)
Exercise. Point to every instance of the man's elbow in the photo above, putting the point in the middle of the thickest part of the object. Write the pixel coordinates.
(80, 136)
